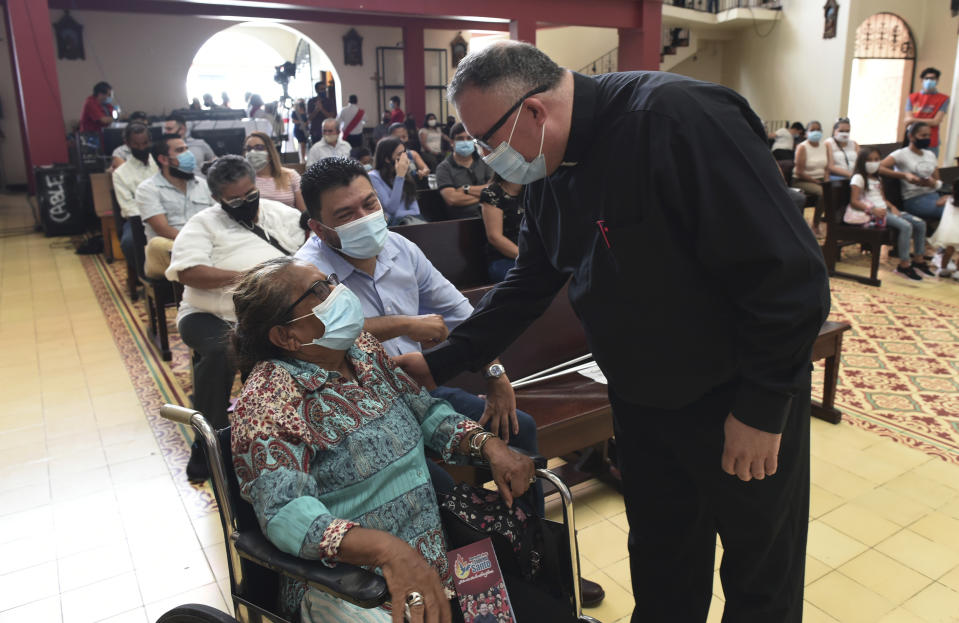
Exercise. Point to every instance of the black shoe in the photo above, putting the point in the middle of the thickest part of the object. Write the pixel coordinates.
(591, 594)
(923, 268)
(197, 471)
(908, 273)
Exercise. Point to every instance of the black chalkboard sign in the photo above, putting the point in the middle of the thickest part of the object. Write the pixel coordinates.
(61, 212)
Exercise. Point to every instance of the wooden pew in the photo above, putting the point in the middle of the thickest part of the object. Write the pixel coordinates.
(455, 248)
(838, 234)
(828, 346)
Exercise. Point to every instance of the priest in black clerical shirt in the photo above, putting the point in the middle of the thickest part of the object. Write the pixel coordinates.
(701, 290)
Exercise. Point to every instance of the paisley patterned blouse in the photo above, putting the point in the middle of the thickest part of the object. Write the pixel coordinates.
(317, 454)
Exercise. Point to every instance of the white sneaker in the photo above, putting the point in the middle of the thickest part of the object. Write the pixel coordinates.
(951, 267)
(941, 272)
(937, 260)
(955, 275)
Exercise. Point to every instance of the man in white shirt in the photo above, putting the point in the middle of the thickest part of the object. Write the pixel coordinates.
(214, 248)
(331, 145)
(133, 172)
(352, 120)
(176, 124)
(167, 200)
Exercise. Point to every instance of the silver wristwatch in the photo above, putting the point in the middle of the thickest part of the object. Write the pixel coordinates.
(494, 371)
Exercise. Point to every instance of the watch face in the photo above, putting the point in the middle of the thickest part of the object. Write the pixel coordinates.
(495, 371)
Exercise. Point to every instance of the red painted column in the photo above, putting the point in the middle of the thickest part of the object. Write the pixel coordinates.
(640, 48)
(414, 72)
(35, 80)
(523, 30)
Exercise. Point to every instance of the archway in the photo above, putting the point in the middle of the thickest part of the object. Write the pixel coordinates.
(883, 68)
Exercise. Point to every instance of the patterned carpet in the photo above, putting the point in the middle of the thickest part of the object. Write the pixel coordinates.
(898, 376)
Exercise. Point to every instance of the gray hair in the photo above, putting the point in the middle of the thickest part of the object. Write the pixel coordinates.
(510, 67)
(331, 120)
(226, 170)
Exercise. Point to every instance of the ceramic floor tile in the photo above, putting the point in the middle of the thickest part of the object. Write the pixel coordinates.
(208, 595)
(885, 576)
(24, 474)
(895, 453)
(216, 557)
(942, 472)
(81, 483)
(901, 615)
(137, 615)
(872, 468)
(846, 600)
(830, 546)
(602, 543)
(919, 553)
(936, 604)
(815, 569)
(860, 524)
(620, 522)
(921, 489)
(27, 436)
(619, 572)
(23, 498)
(28, 585)
(94, 565)
(129, 450)
(951, 579)
(209, 529)
(812, 614)
(101, 600)
(892, 506)
(822, 501)
(41, 611)
(174, 575)
(939, 528)
(22, 553)
(715, 614)
(618, 602)
(138, 469)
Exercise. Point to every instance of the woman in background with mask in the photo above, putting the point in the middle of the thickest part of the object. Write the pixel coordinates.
(273, 181)
(917, 167)
(323, 395)
(868, 206)
(501, 205)
(841, 151)
(812, 157)
(433, 141)
(393, 183)
(210, 252)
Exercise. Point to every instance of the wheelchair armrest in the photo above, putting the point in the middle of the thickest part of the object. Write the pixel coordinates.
(350, 583)
(539, 461)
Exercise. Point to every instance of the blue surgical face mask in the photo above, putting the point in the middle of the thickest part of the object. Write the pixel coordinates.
(109, 99)
(815, 136)
(929, 84)
(512, 166)
(186, 162)
(464, 148)
(363, 238)
(342, 315)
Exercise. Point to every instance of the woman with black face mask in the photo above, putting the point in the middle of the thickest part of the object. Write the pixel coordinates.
(214, 247)
(917, 167)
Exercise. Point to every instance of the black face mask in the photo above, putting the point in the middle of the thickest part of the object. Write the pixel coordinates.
(180, 174)
(922, 143)
(245, 214)
(141, 154)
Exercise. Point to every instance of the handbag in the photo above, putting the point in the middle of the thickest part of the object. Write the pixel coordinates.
(526, 545)
(855, 217)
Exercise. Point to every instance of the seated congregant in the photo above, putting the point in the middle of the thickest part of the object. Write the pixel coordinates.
(462, 176)
(401, 132)
(201, 150)
(785, 141)
(502, 211)
(810, 169)
(331, 145)
(868, 206)
(363, 156)
(274, 181)
(393, 182)
(432, 141)
(168, 200)
(122, 152)
(210, 253)
(129, 175)
(917, 167)
(324, 395)
(841, 151)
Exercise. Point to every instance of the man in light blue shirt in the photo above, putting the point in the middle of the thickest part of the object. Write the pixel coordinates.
(408, 304)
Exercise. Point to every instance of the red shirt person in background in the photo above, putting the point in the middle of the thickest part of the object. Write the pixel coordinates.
(97, 109)
(396, 113)
(928, 105)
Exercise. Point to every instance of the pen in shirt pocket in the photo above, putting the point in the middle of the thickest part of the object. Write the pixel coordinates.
(604, 234)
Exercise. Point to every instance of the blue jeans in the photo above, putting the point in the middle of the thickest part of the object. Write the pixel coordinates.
(924, 206)
(472, 406)
(498, 269)
(908, 226)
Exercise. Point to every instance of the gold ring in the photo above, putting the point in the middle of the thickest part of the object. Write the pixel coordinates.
(532, 480)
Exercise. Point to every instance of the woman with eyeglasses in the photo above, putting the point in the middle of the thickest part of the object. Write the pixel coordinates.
(212, 249)
(274, 181)
(328, 445)
(841, 151)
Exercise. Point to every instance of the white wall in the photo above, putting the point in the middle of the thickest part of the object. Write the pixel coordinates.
(706, 64)
(11, 146)
(575, 47)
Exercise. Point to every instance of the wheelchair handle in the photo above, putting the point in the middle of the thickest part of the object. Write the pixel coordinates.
(178, 414)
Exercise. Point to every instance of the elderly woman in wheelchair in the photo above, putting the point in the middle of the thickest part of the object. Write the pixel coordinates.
(328, 445)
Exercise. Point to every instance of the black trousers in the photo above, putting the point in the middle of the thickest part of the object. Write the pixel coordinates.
(355, 140)
(678, 498)
(213, 372)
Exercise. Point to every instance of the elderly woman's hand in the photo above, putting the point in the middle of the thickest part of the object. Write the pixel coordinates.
(513, 473)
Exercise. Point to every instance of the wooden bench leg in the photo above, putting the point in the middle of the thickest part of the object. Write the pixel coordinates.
(826, 409)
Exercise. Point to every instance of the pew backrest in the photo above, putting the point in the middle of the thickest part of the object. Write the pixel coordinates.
(455, 248)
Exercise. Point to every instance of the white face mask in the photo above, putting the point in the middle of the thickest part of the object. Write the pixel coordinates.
(872, 167)
(431, 123)
(842, 137)
(258, 159)
(332, 139)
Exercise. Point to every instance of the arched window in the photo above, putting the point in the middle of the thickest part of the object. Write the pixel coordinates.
(883, 68)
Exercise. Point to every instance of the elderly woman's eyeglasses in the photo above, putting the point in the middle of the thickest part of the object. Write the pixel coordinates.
(253, 195)
(320, 289)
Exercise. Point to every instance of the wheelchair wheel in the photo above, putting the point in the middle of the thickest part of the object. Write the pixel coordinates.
(195, 613)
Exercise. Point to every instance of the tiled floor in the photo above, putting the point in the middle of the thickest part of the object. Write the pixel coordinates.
(92, 527)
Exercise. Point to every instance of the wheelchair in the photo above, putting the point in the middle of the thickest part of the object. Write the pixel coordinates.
(255, 564)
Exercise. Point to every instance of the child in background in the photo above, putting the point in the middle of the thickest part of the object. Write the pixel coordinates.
(947, 234)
